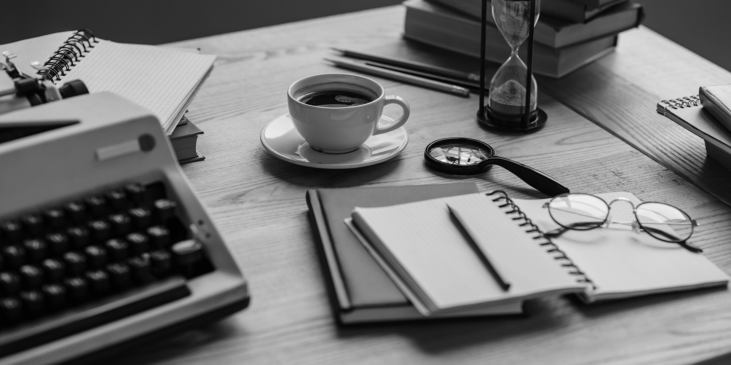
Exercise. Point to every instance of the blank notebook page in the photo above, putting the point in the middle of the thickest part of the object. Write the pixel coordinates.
(435, 254)
(432, 251)
(157, 78)
(622, 263)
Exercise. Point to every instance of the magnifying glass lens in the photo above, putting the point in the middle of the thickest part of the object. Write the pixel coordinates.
(459, 154)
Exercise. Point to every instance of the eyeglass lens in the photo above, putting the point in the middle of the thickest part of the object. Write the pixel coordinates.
(664, 222)
(583, 212)
(578, 211)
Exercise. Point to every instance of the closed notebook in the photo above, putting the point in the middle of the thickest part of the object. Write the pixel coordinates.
(163, 80)
(426, 253)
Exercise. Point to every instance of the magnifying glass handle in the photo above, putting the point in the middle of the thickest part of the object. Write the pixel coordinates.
(531, 176)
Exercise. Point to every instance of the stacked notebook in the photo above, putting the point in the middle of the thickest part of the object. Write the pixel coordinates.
(163, 80)
(569, 33)
(359, 290)
(436, 258)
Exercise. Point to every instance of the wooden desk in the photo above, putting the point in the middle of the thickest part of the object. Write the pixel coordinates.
(258, 203)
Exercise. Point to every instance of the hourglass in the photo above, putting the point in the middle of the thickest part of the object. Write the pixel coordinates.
(512, 102)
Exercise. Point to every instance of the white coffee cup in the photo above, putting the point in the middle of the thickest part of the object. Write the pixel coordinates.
(341, 129)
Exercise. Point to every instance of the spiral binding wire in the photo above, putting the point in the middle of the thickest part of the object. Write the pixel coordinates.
(536, 234)
(680, 103)
(68, 55)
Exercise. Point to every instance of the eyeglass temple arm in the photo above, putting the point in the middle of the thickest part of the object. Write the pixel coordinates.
(531, 176)
(690, 247)
(559, 231)
(671, 236)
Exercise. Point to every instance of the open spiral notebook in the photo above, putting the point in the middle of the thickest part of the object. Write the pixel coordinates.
(431, 260)
(163, 80)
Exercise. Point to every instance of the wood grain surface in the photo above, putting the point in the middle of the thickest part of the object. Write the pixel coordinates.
(258, 203)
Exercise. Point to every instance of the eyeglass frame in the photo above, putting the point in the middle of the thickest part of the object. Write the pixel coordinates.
(636, 224)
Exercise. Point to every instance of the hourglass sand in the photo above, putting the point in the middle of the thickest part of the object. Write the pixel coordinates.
(512, 101)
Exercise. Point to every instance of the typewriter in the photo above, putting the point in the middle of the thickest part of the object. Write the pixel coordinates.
(103, 242)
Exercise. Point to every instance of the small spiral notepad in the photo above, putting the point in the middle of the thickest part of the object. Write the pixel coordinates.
(433, 262)
(161, 79)
(690, 114)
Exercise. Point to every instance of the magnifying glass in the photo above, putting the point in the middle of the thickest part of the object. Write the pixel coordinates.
(466, 156)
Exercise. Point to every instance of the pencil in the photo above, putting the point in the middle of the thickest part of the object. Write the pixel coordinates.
(411, 65)
(405, 78)
(480, 253)
(471, 85)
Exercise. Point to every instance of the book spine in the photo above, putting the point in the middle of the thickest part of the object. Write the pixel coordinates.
(68, 55)
(339, 300)
(545, 242)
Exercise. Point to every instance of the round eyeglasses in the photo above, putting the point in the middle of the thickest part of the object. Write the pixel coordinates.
(583, 212)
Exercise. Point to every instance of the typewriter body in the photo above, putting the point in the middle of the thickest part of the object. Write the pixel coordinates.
(103, 242)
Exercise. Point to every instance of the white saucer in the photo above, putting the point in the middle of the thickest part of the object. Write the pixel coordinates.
(283, 141)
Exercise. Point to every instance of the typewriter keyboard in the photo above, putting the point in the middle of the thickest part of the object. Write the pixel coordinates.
(92, 260)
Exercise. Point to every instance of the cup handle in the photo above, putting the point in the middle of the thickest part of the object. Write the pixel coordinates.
(394, 99)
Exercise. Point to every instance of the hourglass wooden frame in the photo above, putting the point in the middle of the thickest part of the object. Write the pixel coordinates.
(529, 121)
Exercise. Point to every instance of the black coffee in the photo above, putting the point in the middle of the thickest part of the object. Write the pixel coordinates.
(335, 98)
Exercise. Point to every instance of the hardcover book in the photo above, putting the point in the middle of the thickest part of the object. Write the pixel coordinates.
(447, 29)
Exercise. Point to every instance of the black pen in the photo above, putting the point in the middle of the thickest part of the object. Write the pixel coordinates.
(505, 285)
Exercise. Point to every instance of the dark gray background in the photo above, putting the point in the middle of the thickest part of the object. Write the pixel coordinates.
(696, 24)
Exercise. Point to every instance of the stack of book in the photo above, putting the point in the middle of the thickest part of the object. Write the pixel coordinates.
(569, 33)
(183, 139)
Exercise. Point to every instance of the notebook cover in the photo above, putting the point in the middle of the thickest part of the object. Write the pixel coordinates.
(355, 280)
